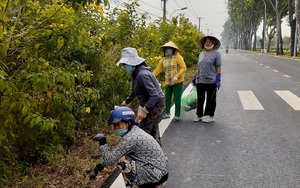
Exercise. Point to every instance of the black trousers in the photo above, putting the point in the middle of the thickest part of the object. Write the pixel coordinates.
(208, 91)
(153, 118)
(152, 185)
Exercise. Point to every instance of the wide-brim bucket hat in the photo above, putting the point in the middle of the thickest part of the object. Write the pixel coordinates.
(215, 41)
(169, 44)
(130, 57)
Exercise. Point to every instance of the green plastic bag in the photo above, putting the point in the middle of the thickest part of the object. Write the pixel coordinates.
(189, 102)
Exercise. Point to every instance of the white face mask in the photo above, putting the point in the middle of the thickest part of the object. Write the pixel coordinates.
(209, 48)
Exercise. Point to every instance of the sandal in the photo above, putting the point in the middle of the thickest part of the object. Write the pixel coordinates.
(176, 119)
(166, 116)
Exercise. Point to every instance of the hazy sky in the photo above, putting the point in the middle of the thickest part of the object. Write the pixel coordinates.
(213, 13)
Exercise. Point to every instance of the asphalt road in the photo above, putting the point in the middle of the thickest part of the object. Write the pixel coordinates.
(255, 139)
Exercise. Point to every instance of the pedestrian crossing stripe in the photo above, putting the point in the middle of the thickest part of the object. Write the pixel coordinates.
(289, 98)
(250, 102)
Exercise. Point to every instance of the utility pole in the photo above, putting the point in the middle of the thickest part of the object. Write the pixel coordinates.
(200, 23)
(164, 9)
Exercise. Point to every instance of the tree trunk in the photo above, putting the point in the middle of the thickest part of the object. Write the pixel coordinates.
(297, 11)
(293, 30)
(292, 22)
(269, 44)
(254, 42)
(278, 35)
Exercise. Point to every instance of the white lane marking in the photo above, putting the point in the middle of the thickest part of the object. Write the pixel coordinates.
(163, 125)
(249, 101)
(275, 70)
(119, 182)
(290, 98)
(267, 67)
(287, 76)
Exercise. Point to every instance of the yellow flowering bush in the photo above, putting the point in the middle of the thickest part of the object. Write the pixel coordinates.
(58, 78)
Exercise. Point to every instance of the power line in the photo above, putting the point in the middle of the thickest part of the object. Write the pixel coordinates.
(150, 5)
(192, 8)
(142, 11)
(177, 4)
(121, 3)
(181, 7)
(187, 6)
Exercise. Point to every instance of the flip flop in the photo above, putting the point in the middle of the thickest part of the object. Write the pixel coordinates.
(165, 116)
(176, 119)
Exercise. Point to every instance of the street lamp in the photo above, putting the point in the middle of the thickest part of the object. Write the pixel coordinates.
(184, 8)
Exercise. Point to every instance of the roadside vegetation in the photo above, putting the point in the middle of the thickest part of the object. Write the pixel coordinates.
(59, 83)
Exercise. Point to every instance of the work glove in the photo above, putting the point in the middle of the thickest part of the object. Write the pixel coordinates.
(141, 114)
(174, 80)
(218, 80)
(93, 173)
(123, 104)
(100, 138)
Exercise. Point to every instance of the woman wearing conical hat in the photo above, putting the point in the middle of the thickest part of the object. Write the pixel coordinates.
(208, 78)
(174, 67)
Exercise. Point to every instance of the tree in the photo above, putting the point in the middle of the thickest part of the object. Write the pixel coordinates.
(297, 12)
(245, 17)
(292, 23)
(270, 24)
(280, 8)
(58, 74)
(227, 34)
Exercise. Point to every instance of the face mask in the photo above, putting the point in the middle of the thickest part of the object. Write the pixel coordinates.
(121, 132)
(209, 48)
(128, 68)
(168, 52)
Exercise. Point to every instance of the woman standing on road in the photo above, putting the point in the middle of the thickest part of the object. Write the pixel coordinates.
(208, 78)
(174, 67)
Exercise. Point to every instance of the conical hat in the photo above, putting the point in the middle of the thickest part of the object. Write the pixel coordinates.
(216, 42)
(169, 44)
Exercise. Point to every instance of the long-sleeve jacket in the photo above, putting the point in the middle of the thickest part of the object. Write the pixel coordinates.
(141, 147)
(173, 66)
(146, 88)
